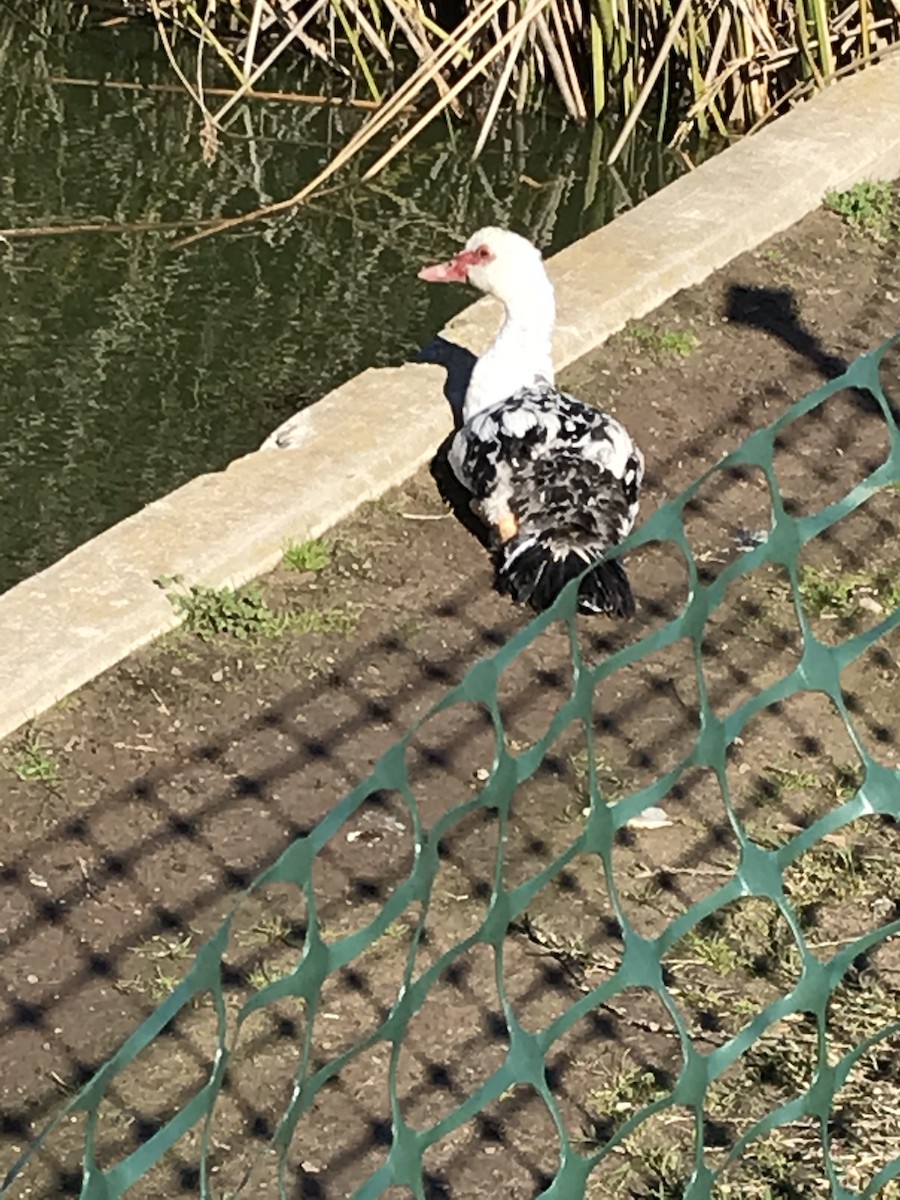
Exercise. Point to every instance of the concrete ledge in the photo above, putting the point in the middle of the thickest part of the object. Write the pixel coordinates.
(64, 626)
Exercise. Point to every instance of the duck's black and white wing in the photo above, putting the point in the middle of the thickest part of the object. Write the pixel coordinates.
(570, 475)
(542, 446)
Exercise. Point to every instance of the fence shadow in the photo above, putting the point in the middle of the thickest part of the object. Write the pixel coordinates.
(104, 896)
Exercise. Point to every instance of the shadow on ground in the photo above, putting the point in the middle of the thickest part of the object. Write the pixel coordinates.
(192, 766)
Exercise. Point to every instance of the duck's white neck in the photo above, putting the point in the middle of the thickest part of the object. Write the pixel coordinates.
(521, 354)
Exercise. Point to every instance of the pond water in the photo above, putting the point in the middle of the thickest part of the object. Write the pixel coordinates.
(127, 366)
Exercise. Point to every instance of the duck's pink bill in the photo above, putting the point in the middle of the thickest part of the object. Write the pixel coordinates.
(448, 272)
(454, 271)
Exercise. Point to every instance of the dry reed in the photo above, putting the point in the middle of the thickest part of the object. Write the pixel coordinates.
(695, 67)
(712, 63)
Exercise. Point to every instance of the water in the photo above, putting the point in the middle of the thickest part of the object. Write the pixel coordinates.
(127, 366)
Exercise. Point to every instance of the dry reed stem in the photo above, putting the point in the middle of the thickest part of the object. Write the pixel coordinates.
(404, 94)
(750, 36)
(718, 49)
(353, 39)
(170, 55)
(652, 75)
(571, 73)
(204, 33)
(807, 85)
(420, 47)
(533, 9)
(253, 34)
(209, 141)
(34, 231)
(736, 53)
(367, 28)
(499, 91)
(295, 32)
(297, 25)
(432, 27)
(556, 64)
(175, 88)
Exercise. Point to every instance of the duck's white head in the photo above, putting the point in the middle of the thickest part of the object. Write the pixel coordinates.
(507, 266)
(496, 261)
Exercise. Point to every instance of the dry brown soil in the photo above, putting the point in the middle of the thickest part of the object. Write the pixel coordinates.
(179, 774)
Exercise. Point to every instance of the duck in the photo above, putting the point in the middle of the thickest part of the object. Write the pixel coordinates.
(556, 481)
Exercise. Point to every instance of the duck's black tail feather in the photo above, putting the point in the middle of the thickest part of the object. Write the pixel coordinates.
(534, 568)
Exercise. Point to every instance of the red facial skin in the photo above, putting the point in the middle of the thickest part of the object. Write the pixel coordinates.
(457, 269)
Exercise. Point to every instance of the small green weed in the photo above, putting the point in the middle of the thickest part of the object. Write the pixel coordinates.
(826, 593)
(714, 950)
(245, 615)
(212, 612)
(264, 973)
(663, 1175)
(410, 629)
(869, 208)
(35, 762)
(840, 784)
(324, 620)
(793, 779)
(160, 948)
(631, 1088)
(313, 555)
(846, 780)
(272, 930)
(667, 341)
(611, 787)
(389, 505)
(827, 873)
(160, 984)
(258, 978)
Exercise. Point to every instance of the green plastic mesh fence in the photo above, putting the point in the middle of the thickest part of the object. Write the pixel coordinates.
(759, 873)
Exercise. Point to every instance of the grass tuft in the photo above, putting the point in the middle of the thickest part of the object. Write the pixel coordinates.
(272, 930)
(631, 1088)
(312, 555)
(678, 342)
(35, 762)
(324, 620)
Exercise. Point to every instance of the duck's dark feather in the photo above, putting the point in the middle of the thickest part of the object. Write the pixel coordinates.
(571, 476)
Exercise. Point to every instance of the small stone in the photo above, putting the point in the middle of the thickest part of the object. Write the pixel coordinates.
(882, 907)
(650, 818)
(31, 979)
(176, 671)
(217, 676)
(870, 604)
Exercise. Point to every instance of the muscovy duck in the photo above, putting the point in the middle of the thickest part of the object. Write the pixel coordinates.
(556, 481)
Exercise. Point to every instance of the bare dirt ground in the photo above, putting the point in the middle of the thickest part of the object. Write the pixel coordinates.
(134, 814)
